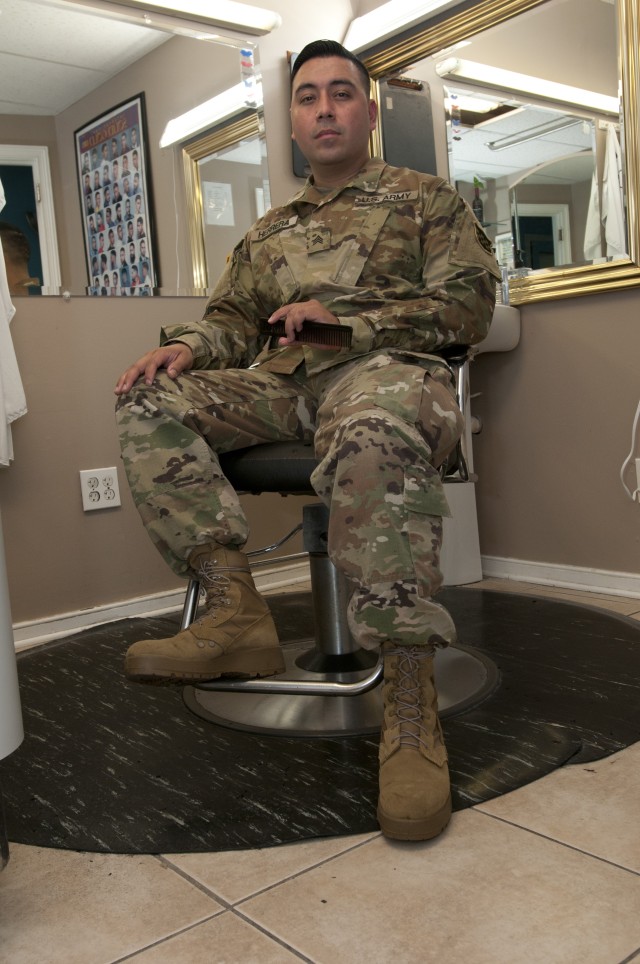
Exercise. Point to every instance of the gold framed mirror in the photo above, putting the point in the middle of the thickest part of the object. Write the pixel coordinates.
(210, 149)
(446, 34)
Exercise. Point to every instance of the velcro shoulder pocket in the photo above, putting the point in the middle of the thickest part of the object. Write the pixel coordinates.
(470, 246)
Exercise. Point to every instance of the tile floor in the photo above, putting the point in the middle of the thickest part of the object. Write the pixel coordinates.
(549, 873)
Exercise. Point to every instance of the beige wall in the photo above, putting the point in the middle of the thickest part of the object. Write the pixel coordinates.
(557, 415)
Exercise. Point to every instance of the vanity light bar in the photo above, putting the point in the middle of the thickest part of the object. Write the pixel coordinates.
(203, 14)
(529, 135)
(388, 19)
(523, 83)
(221, 13)
(211, 112)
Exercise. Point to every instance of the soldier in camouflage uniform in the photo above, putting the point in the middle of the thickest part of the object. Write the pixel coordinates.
(399, 258)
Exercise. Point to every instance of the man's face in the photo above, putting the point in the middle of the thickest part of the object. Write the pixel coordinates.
(332, 117)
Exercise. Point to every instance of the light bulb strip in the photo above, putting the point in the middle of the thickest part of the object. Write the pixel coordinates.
(214, 111)
(388, 19)
(497, 77)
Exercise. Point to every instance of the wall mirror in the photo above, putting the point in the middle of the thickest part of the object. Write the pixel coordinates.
(227, 190)
(61, 67)
(528, 124)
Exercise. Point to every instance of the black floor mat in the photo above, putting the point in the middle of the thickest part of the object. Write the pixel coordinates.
(113, 766)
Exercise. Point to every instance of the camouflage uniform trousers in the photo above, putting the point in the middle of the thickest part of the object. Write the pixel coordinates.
(380, 424)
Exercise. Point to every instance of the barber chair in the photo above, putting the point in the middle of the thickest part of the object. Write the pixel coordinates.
(330, 687)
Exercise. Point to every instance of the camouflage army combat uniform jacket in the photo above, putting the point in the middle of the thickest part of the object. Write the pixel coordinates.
(396, 255)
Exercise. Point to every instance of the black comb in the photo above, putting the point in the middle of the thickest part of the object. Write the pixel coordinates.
(313, 333)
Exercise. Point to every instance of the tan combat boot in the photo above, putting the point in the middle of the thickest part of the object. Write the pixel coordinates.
(236, 636)
(415, 795)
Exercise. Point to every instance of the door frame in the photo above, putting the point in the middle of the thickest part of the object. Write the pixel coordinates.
(37, 158)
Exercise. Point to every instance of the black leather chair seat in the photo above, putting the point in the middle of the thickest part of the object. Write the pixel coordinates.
(282, 467)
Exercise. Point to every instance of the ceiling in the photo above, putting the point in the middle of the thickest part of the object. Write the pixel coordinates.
(50, 56)
(474, 155)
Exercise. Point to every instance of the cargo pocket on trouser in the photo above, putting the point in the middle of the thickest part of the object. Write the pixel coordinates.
(400, 608)
(425, 506)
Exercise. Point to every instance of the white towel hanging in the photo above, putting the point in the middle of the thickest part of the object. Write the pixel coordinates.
(13, 403)
(593, 230)
(613, 199)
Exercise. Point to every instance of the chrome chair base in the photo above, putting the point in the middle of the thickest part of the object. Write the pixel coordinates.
(464, 678)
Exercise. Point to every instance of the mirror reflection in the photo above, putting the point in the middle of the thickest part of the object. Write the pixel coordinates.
(525, 125)
(528, 171)
(227, 187)
(101, 63)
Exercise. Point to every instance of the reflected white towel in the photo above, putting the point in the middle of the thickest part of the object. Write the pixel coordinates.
(13, 403)
(593, 235)
(612, 198)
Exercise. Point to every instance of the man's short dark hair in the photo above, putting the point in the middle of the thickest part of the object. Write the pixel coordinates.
(330, 48)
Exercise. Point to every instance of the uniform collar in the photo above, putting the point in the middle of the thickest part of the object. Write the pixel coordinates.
(366, 180)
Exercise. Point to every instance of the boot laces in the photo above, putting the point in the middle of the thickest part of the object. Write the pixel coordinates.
(216, 584)
(417, 719)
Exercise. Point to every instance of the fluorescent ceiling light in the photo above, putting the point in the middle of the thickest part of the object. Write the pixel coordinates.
(214, 111)
(523, 83)
(529, 135)
(388, 19)
(471, 103)
(223, 14)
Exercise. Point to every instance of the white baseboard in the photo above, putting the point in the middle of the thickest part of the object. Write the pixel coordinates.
(566, 577)
(38, 631)
(35, 632)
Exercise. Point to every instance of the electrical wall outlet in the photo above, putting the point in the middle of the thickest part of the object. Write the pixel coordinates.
(100, 489)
